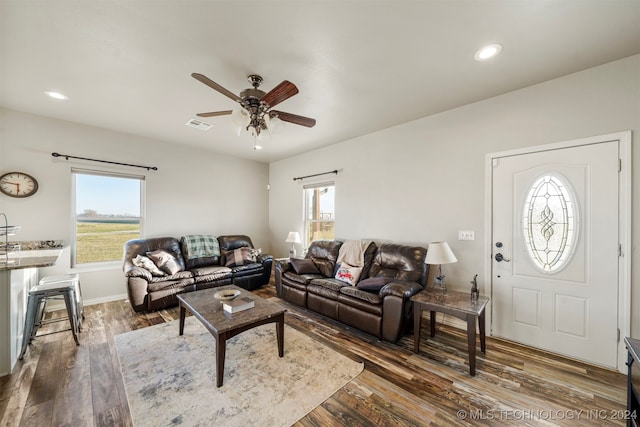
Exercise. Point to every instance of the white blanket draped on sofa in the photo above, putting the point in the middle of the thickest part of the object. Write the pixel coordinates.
(352, 252)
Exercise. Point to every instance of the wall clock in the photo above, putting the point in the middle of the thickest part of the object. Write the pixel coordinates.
(18, 184)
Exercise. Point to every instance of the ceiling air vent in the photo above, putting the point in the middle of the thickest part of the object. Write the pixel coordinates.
(195, 123)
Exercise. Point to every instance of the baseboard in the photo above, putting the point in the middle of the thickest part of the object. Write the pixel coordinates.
(59, 305)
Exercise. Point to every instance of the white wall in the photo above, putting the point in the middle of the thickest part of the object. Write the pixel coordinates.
(191, 193)
(425, 180)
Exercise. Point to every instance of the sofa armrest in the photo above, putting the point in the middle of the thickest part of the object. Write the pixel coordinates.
(138, 272)
(137, 290)
(267, 265)
(264, 257)
(401, 289)
(282, 266)
(397, 308)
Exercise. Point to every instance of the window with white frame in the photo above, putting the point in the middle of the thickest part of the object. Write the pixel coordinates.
(319, 212)
(107, 212)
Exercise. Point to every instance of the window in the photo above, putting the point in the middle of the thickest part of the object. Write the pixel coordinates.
(319, 215)
(107, 212)
(549, 223)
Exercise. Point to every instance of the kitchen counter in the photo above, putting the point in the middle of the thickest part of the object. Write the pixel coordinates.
(28, 260)
(17, 276)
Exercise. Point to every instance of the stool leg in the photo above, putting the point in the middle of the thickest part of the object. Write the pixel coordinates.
(79, 304)
(29, 323)
(42, 307)
(70, 302)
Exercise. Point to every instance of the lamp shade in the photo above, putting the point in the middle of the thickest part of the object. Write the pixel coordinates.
(293, 237)
(439, 253)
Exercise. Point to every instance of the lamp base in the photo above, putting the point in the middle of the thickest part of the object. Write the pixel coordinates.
(292, 252)
(439, 282)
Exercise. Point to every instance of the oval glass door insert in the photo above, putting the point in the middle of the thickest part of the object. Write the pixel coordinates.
(549, 223)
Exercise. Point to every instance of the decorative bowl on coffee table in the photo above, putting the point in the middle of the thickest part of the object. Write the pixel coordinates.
(226, 295)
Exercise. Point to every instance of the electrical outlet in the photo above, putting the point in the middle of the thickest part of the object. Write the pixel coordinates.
(466, 235)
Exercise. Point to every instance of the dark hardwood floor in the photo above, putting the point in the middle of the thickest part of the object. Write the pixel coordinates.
(61, 384)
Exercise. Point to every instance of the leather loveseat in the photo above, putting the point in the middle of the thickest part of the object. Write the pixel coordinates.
(150, 291)
(384, 311)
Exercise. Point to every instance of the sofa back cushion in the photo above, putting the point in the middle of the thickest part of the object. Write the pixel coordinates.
(136, 247)
(231, 243)
(400, 262)
(324, 254)
(204, 261)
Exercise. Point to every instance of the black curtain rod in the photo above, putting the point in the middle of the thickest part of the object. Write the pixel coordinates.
(67, 157)
(300, 178)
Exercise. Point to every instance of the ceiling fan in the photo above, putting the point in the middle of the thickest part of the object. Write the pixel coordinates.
(256, 112)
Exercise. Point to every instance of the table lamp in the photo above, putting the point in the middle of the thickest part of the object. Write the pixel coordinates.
(439, 253)
(293, 238)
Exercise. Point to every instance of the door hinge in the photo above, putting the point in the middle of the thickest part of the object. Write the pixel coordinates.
(619, 165)
(618, 334)
(620, 250)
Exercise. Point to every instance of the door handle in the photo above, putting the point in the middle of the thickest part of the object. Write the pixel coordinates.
(500, 258)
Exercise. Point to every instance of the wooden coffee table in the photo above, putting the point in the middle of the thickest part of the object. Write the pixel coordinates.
(223, 325)
(457, 304)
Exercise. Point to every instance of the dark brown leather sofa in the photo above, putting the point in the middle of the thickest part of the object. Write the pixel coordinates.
(149, 292)
(386, 313)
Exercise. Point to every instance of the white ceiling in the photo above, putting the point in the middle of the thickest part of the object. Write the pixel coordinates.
(360, 66)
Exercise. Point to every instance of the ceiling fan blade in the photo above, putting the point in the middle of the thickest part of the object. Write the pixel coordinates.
(215, 86)
(294, 118)
(282, 92)
(215, 113)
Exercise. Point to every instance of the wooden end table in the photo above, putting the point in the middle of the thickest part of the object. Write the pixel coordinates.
(223, 325)
(457, 304)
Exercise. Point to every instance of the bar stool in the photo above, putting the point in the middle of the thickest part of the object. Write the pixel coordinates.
(62, 278)
(36, 303)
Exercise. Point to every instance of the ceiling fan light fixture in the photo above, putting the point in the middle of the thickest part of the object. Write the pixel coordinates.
(488, 52)
(256, 115)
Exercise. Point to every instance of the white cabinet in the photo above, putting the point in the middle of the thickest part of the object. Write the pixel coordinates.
(14, 291)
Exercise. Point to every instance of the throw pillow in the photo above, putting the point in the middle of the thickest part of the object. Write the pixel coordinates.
(348, 273)
(304, 266)
(147, 264)
(240, 256)
(374, 284)
(165, 261)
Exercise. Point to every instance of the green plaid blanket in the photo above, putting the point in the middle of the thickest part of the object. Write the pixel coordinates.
(200, 246)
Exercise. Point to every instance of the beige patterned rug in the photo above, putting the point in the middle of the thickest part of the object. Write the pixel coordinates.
(170, 379)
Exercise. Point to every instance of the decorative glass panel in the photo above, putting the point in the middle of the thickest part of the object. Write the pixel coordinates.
(549, 223)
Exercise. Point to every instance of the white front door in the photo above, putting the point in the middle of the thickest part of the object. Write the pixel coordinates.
(555, 250)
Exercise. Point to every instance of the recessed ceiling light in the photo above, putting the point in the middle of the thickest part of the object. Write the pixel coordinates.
(488, 52)
(56, 95)
(257, 147)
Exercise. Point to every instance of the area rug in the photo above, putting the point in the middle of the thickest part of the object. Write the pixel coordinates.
(170, 379)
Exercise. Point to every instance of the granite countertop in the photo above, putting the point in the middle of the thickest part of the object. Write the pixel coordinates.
(30, 258)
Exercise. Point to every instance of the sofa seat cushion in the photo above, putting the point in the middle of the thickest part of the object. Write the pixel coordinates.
(212, 270)
(173, 283)
(362, 305)
(322, 291)
(333, 284)
(300, 278)
(185, 274)
(366, 297)
(294, 285)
